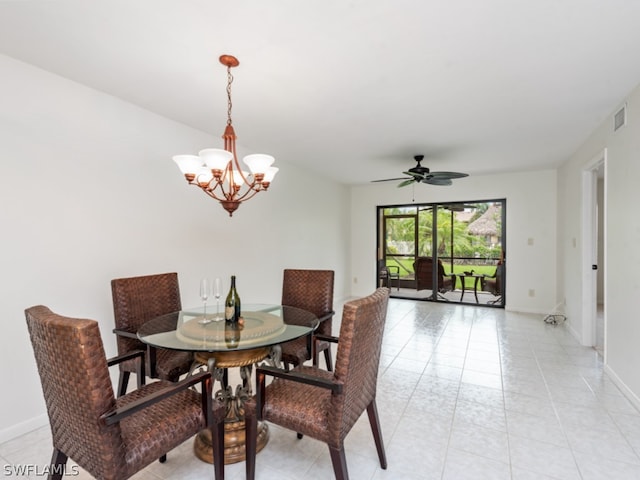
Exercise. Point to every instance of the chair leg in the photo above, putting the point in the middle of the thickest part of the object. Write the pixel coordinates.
(251, 434)
(339, 461)
(58, 463)
(374, 421)
(123, 382)
(217, 437)
(327, 359)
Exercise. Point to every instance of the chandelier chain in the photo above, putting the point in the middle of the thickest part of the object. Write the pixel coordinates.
(229, 104)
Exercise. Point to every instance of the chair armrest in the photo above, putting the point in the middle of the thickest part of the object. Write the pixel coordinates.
(397, 269)
(116, 415)
(300, 378)
(326, 316)
(140, 364)
(151, 351)
(124, 333)
(126, 356)
(327, 338)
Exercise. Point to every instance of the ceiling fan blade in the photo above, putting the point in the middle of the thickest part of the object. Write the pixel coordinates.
(387, 179)
(437, 181)
(408, 182)
(416, 175)
(457, 207)
(448, 174)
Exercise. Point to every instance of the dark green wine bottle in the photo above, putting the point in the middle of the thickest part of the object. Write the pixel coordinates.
(232, 303)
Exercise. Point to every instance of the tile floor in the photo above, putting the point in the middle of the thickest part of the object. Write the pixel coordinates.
(464, 393)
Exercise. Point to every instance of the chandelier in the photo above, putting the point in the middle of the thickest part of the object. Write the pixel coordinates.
(217, 171)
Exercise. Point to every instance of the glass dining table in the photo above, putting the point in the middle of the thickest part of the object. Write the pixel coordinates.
(219, 346)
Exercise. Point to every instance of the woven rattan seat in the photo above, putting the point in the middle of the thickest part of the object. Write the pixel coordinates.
(310, 290)
(321, 404)
(137, 300)
(113, 438)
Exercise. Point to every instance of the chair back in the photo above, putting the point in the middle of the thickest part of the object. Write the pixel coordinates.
(311, 290)
(357, 360)
(423, 268)
(383, 272)
(137, 300)
(493, 284)
(77, 389)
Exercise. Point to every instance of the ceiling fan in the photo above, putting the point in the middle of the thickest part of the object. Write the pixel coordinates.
(420, 174)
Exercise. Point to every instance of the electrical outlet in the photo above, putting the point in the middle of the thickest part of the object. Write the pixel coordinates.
(532, 292)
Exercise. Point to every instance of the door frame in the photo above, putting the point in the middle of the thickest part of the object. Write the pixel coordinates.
(589, 247)
(381, 234)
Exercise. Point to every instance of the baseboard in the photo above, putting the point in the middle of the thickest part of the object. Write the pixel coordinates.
(574, 332)
(626, 391)
(534, 311)
(20, 429)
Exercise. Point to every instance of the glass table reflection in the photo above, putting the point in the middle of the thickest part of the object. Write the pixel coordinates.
(220, 345)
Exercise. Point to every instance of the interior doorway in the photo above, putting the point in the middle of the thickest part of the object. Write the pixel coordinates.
(593, 255)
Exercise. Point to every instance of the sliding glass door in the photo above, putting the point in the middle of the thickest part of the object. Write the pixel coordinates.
(445, 251)
(399, 243)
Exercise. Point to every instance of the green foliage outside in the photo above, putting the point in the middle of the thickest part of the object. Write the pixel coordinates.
(401, 238)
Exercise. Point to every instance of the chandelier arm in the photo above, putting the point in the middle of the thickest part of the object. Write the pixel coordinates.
(212, 191)
(250, 193)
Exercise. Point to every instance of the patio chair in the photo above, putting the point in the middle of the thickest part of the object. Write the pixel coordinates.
(388, 273)
(493, 283)
(423, 268)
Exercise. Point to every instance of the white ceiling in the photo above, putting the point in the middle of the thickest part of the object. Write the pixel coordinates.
(353, 89)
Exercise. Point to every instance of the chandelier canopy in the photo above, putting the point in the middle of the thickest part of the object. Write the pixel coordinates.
(217, 171)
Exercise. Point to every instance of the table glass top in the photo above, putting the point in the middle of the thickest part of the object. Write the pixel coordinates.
(264, 325)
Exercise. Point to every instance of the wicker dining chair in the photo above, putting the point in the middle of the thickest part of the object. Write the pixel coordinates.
(137, 300)
(325, 405)
(310, 290)
(113, 438)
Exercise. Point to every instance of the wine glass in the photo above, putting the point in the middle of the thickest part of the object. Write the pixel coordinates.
(217, 292)
(205, 292)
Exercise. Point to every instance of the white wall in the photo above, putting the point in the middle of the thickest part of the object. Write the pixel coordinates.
(89, 193)
(531, 214)
(622, 251)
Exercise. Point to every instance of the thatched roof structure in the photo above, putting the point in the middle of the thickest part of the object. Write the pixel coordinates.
(464, 216)
(487, 223)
